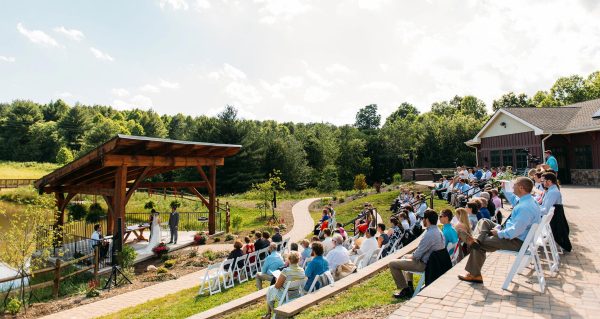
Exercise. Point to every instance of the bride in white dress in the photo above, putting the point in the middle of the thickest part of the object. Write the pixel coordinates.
(155, 233)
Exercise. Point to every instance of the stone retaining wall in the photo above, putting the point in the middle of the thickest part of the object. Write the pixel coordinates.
(588, 177)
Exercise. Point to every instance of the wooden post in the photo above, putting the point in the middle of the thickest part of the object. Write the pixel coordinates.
(120, 195)
(109, 214)
(96, 262)
(60, 218)
(56, 285)
(212, 200)
(227, 217)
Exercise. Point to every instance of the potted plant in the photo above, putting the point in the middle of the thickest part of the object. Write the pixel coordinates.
(200, 238)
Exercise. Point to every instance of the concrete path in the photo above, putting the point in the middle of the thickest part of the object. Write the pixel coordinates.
(573, 293)
(303, 224)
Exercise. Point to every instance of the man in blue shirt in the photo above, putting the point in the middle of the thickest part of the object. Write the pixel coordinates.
(317, 266)
(478, 173)
(490, 237)
(270, 264)
(552, 195)
(551, 160)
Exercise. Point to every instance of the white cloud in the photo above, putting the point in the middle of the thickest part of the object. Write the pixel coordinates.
(340, 69)
(373, 5)
(120, 92)
(244, 93)
(101, 55)
(37, 36)
(65, 95)
(149, 88)
(318, 78)
(174, 4)
(73, 34)
(202, 5)
(9, 59)
(284, 84)
(168, 85)
(273, 11)
(315, 94)
(141, 101)
(380, 85)
(233, 72)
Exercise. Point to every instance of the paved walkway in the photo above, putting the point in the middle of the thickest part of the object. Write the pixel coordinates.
(303, 224)
(573, 293)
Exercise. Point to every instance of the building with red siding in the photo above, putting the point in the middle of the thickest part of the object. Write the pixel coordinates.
(571, 132)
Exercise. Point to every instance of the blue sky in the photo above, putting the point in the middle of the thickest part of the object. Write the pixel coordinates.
(290, 60)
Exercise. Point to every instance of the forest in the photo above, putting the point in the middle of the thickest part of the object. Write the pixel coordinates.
(308, 155)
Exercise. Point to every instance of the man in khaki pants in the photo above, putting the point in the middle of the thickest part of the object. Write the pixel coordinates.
(432, 240)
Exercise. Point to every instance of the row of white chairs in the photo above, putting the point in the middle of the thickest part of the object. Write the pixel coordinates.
(222, 275)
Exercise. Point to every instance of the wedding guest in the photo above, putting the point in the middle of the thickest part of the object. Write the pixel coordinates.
(236, 252)
(369, 245)
(306, 253)
(317, 266)
(260, 243)
(450, 234)
(552, 196)
(271, 263)
(463, 223)
(249, 247)
(327, 243)
(342, 231)
(277, 236)
(267, 237)
(383, 238)
(99, 241)
(483, 210)
(292, 273)
(339, 255)
(473, 208)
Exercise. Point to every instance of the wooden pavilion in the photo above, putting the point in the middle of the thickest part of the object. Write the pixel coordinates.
(115, 169)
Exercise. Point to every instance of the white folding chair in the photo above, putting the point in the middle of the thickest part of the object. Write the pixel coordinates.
(420, 283)
(286, 244)
(360, 261)
(226, 272)
(382, 250)
(324, 279)
(348, 243)
(211, 280)
(280, 247)
(239, 268)
(305, 262)
(252, 263)
(525, 256)
(295, 285)
(261, 255)
(373, 257)
(546, 240)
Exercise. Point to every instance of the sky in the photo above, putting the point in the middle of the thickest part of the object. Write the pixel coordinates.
(290, 60)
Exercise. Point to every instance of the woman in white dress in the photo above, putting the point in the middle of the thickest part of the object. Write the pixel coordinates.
(155, 232)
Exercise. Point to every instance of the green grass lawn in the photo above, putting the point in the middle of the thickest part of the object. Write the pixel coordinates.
(25, 170)
(183, 303)
(372, 293)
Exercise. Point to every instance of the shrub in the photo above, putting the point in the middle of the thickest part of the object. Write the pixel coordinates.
(341, 200)
(397, 178)
(282, 226)
(200, 239)
(229, 237)
(175, 204)
(162, 270)
(193, 253)
(210, 255)
(149, 205)
(236, 223)
(92, 293)
(95, 214)
(360, 182)
(77, 211)
(217, 239)
(164, 257)
(64, 156)
(160, 249)
(13, 306)
(126, 256)
(170, 263)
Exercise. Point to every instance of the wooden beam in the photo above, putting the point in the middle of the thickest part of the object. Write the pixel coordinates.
(197, 193)
(212, 197)
(136, 184)
(81, 189)
(68, 199)
(119, 199)
(156, 161)
(172, 184)
(109, 214)
(203, 175)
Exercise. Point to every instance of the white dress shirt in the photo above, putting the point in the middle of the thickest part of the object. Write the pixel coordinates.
(337, 256)
(368, 246)
(327, 245)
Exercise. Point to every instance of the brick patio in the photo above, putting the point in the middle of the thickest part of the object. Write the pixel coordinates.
(573, 293)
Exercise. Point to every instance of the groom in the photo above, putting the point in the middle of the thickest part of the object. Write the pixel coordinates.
(173, 224)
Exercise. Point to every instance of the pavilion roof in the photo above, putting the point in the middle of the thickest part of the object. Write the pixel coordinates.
(142, 155)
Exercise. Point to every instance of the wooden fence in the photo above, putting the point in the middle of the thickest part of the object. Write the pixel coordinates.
(14, 183)
(58, 277)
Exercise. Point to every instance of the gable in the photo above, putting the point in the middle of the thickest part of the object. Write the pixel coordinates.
(513, 126)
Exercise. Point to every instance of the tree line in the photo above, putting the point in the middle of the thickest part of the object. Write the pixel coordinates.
(319, 155)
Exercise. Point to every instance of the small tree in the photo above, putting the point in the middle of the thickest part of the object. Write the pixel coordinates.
(174, 204)
(360, 183)
(267, 188)
(329, 179)
(64, 156)
(26, 243)
(149, 205)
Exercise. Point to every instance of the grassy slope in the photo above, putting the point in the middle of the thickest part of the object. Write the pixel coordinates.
(183, 303)
(26, 170)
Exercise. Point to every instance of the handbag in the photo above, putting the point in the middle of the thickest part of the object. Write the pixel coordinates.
(344, 270)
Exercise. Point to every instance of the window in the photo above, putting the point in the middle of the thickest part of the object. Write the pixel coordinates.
(495, 158)
(521, 156)
(583, 156)
(507, 158)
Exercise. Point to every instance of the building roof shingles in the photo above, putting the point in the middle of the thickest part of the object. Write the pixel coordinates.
(561, 119)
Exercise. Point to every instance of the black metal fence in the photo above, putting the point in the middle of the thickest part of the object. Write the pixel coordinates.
(188, 221)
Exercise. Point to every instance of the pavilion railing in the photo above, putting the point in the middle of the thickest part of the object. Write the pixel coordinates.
(188, 221)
